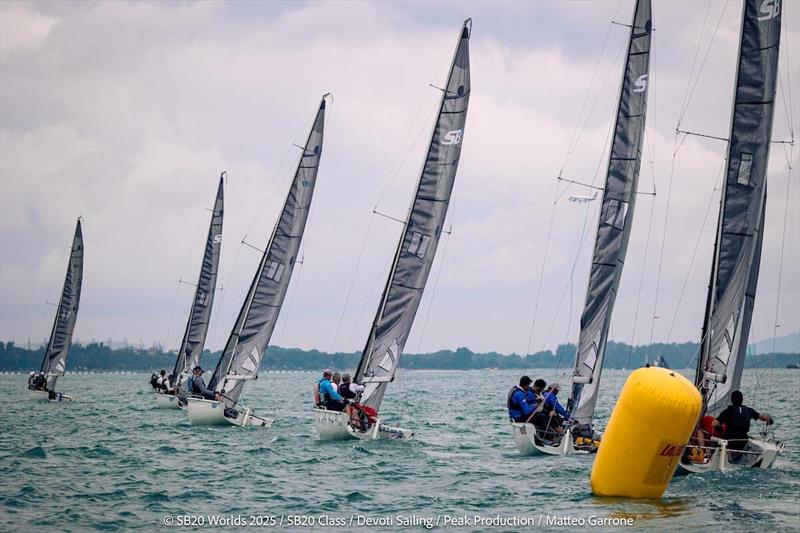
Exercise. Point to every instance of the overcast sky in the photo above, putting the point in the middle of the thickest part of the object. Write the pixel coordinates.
(126, 113)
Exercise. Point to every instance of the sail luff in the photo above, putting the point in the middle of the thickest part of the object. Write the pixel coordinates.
(735, 264)
(55, 358)
(248, 342)
(199, 319)
(421, 233)
(616, 217)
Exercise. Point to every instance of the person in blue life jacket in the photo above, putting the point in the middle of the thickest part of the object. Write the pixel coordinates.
(195, 386)
(326, 395)
(519, 408)
(534, 394)
(553, 415)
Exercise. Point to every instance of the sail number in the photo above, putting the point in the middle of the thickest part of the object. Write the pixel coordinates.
(641, 84)
(217, 238)
(770, 9)
(452, 137)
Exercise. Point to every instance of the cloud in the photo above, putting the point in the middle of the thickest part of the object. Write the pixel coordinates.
(126, 113)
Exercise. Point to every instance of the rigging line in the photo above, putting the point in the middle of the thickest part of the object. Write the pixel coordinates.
(352, 282)
(641, 282)
(694, 252)
(541, 271)
(780, 262)
(694, 61)
(220, 305)
(788, 96)
(611, 70)
(572, 137)
(676, 147)
(289, 308)
(451, 215)
(375, 289)
(703, 63)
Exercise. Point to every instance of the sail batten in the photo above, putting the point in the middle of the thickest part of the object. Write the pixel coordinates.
(421, 233)
(616, 218)
(194, 337)
(737, 248)
(241, 358)
(55, 356)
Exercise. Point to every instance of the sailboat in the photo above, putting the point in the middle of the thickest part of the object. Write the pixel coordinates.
(194, 338)
(249, 339)
(413, 258)
(737, 248)
(611, 244)
(43, 385)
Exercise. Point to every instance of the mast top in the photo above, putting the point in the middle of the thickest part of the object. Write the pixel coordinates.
(467, 29)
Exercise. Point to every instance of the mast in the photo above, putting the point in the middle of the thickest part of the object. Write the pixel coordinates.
(249, 339)
(194, 337)
(418, 243)
(734, 272)
(616, 218)
(55, 357)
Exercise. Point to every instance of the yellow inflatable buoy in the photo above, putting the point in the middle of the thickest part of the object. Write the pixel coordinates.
(655, 415)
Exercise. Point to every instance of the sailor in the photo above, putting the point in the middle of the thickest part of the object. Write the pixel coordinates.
(31, 378)
(163, 382)
(736, 419)
(40, 382)
(330, 399)
(347, 389)
(519, 410)
(336, 379)
(154, 381)
(197, 387)
(553, 413)
(534, 395)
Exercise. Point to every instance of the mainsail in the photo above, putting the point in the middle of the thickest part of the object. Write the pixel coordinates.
(616, 218)
(241, 358)
(423, 227)
(737, 249)
(55, 357)
(200, 316)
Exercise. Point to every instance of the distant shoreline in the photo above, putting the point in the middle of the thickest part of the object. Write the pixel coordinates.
(96, 357)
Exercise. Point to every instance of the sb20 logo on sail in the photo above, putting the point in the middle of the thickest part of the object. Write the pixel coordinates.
(452, 137)
(770, 9)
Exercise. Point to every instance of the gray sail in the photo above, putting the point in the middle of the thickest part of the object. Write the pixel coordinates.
(734, 273)
(194, 338)
(423, 227)
(55, 357)
(250, 337)
(616, 219)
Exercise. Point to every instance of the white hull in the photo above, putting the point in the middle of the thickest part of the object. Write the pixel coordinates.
(758, 454)
(212, 413)
(166, 401)
(525, 438)
(40, 395)
(333, 425)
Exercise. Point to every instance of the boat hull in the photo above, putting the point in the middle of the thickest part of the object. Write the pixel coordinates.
(204, 412)
(166, 401)
(40, 395)
(758, 454)
(333, 425)
(528, 444)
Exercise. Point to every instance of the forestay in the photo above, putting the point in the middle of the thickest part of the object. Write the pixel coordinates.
(250, 337)
(55, 357)
(737, 253)
(616, 218)
(194, 338)
(423, 227)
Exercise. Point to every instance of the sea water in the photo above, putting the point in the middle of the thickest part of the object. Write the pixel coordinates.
(111, 461)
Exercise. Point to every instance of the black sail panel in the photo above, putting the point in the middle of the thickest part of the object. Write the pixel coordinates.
(616, 218)
(417, 246)
(742, 208)
(194, 338)
(55, 357)
(250, 337)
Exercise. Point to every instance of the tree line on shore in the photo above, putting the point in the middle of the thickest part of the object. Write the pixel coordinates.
(98, 356)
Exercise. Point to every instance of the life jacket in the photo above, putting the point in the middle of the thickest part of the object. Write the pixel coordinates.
(510, 403)
(345, 392)
(326, 398)
(154, 380)
(317, 399)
